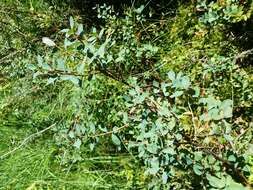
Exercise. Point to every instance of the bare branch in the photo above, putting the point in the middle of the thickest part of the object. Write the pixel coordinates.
(26, 140)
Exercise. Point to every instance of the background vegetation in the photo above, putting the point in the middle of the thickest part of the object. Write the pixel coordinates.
(126, 95)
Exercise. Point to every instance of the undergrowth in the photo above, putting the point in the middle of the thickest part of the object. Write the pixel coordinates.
(35, 166)
(141, 99)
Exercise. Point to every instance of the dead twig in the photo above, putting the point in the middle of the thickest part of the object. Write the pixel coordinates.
(242, 55)
(26, 140)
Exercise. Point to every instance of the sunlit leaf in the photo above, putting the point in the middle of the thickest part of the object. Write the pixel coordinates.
(115, 140)
(79, 29)
(197, 169)
(176, 94)
(48, 41)
(71, 22)
(77, 143)
(164, 177)
(171, 75)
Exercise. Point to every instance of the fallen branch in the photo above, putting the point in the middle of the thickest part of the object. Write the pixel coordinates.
(26, 140)
(242, 55)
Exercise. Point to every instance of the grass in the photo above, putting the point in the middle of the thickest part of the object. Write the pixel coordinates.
(35, 166)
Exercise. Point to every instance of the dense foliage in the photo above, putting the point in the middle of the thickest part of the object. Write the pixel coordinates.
(171, 88)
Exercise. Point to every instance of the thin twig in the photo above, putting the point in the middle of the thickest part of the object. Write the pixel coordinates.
(2, 60)
(109, 132)
(193, 122)
(228, 165)
(26, 140)
(242, 55)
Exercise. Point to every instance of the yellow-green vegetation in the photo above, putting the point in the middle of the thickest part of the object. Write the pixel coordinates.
(126, 95)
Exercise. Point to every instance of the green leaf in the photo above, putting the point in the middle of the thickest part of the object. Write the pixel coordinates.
(51, 80)
(232, 185)
(185, 82)
(48, 41)
(101, 33)
(36, 74)
(115, 140)
(67, 43)
(229, 138)
(211, 102)
(215, 182)
(169, 150)
(101, 51)
(140, 9)
(155, 167)
(211, 159)
(71, 22)
(214, 114)
(125, 117)
(178, 136)
(92, 146)
(165, 177)
(197, 169)
(64, 30)
(227, 109)
(176, 94)
(91, 39)
(71, 134)
(31, 67)
(204, 117)
(164, 86)
(73, 79)
(247, 168)
(140, 98)
(172, 123)
(198, 156)
(80, 68)
(45, 66)
(156, 84)
(188, 160)
(236, 186)
(197, 92)
(231, 158)
(60, 64)
(152, 148)
(92, 127)
(40, 60)
(164, 109)
(79, 29)
(141, 150)
(103, 129)
(171, 75)
(78, 143)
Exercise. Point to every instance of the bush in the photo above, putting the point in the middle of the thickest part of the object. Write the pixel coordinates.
(169, 92)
